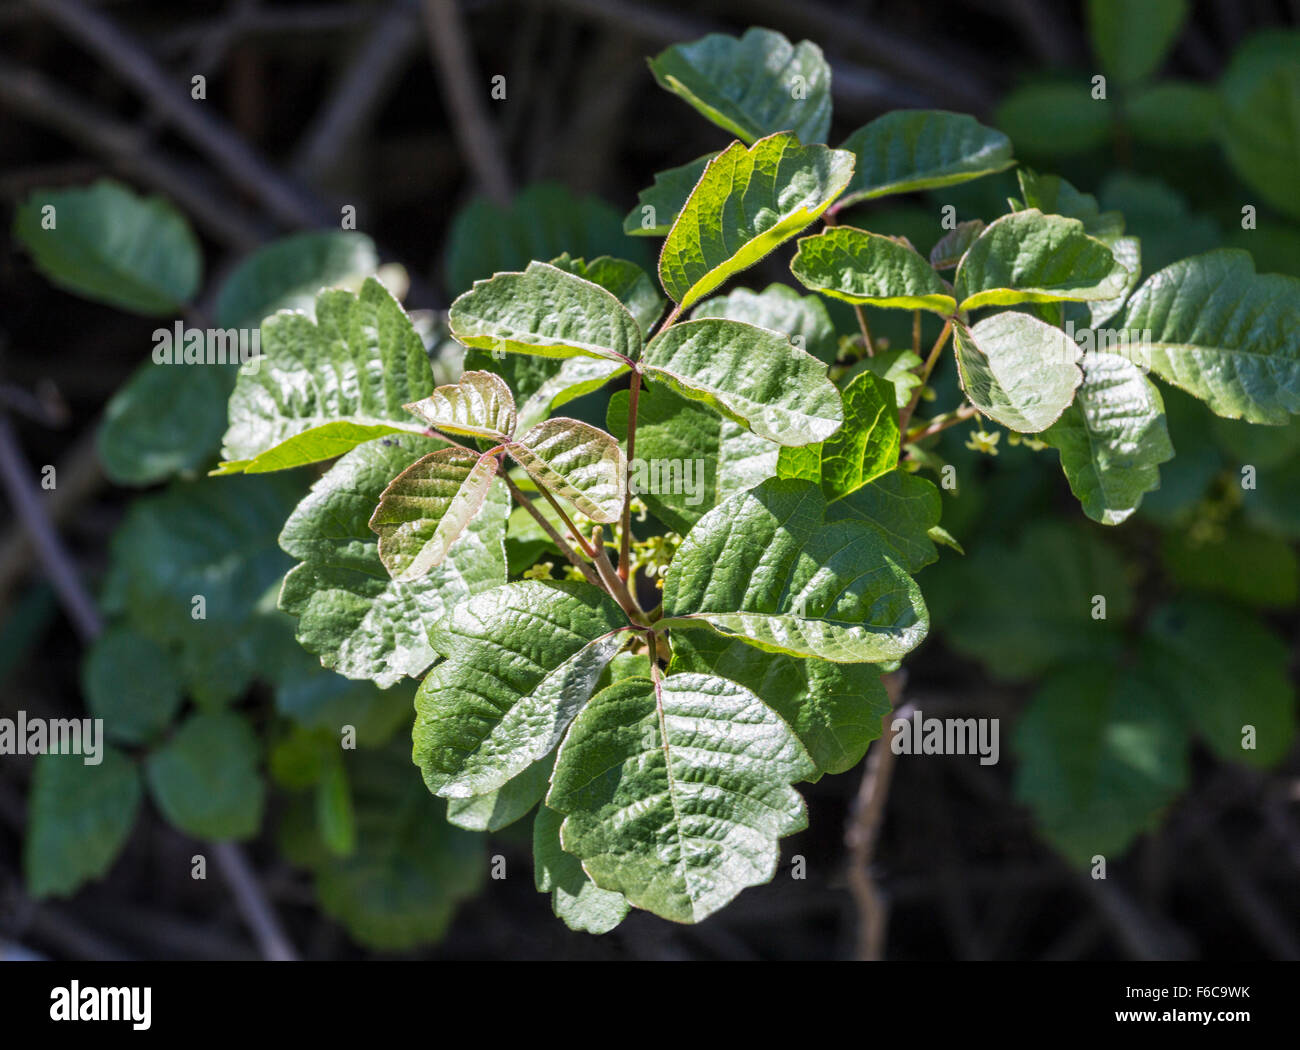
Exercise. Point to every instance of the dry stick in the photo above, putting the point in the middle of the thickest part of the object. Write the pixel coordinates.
(358, 93)
(16, 474)
(31, 95)
(210, 135)
(462, 88)
(864, 830)
(905, 416)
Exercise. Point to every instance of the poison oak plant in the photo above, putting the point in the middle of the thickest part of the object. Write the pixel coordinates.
(655, 708)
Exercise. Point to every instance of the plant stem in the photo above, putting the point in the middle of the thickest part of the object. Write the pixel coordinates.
(625, 524)
(916, 332)
(931, 360)
(523, 501)
(940, 423)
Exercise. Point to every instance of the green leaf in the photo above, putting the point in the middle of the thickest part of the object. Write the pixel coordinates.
(659, 205)
(428, 506)
(1132, 39)
(921, 149)
(1053, 195)
(542, 221)
(751, 86)
(869, 269)
(287, 275)
(1260, 129)
(667, 802)
(747, 202)
(575, 378)
(478, 405)
(108, 244)
(578, 902)
(1173, 113)
(521, 660)
(1112, 439)
(1029, 257)
(1102, 754)
(689, 458)
(576, 462)
(1055, 119)
(626, 281)
(1017, 370)
(765, 567)
(801, 318)
(323, 388)
(1021, 610)
(401, 885)
(546, 312)
(79, 817)
(1240, 565)
(191, 566)
(1223, 333)
(352, 614)
(834, 709)
(864, 448)
(205, 778)
(754, 377)
(132, 684)
(1226, 671)
(904, 511)
(497, 809)
(948, 251)
(165, 420)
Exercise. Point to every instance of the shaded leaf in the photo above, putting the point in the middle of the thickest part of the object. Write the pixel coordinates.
(205, 778)
(659, 205)
(577, 901)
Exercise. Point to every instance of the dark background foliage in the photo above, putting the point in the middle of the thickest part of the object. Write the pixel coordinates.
(318, 105)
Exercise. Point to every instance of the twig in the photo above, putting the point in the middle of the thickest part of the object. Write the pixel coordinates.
(940, 424)
(226, 150)
(252, 903)
(463, 91)
(863, 832)
(931, 359)
(31, 95)
(523, 501)
(358, 93)
(625, 522)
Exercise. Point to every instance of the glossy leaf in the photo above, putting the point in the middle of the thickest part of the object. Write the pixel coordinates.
(1223, 333)
(324, 387)
(835, 710)
(351, 613)
(766, 567)
(688, 458)
(578, 902)
(577, 462)
(753, 85)
(871, 270)
(477, 405)
(1029, 257)
(625, 280)
(864, 448)
(921, 149)
(801, 318)
(547, 312)
(902, 508)
(497, 809)
(521, 660)
(427, 507)
(1017, 370)
(747, 202)
(676, 791)
(1112, 439)
(754, 377)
